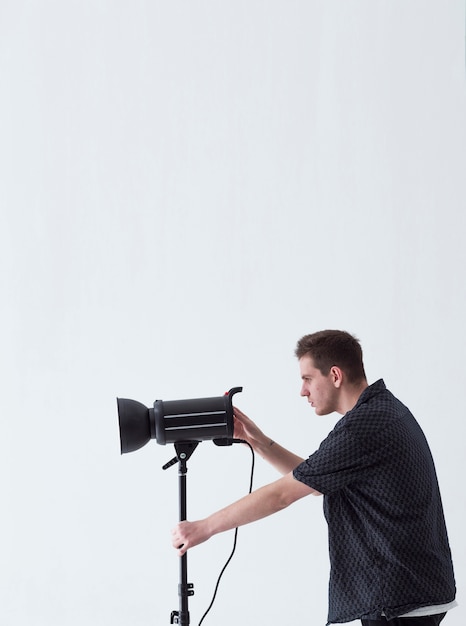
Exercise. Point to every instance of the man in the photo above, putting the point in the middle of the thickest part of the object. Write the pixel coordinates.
(388, 545)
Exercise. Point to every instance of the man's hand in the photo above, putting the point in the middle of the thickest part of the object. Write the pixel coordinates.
(186, 535)
(245, 428)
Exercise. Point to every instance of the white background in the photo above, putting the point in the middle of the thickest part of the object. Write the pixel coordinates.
(186, 188)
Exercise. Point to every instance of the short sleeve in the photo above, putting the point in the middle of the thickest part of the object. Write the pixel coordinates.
(343, 458)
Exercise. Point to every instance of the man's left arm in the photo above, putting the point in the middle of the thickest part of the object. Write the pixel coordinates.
(261, 503)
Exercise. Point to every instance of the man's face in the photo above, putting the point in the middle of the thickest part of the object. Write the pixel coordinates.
(321, 391)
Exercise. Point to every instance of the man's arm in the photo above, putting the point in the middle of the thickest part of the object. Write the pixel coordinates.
(280, 458)
(256, 505)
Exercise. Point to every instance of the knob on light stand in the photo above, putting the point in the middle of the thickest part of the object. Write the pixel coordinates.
(185, 423)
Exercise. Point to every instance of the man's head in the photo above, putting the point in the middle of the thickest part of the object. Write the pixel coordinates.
(334, 347)
(332, 370)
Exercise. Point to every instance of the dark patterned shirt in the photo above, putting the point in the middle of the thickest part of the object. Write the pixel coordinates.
(388, 543)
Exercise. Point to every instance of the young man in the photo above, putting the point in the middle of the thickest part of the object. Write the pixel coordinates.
(389, 552)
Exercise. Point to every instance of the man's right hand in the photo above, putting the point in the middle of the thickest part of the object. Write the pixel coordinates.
(245, 428)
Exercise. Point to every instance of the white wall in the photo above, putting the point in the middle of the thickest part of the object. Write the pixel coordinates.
(186, 188)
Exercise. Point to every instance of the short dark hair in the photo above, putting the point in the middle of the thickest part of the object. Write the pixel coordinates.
(333, 347)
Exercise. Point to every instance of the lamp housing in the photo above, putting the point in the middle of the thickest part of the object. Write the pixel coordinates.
(174, 421)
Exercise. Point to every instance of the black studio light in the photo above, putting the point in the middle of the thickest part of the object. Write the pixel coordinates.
(185, 423)
(174, 421)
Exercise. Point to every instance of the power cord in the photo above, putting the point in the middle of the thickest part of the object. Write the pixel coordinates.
(221, 442)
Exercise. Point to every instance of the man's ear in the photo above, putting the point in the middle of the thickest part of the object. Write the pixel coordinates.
(336, 376)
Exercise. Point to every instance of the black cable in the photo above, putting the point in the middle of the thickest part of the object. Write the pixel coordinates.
(235, 536)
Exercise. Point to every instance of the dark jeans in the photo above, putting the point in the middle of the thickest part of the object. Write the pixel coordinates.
(427, 620)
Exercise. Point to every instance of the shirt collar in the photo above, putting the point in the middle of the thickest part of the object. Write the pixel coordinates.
(370, 391)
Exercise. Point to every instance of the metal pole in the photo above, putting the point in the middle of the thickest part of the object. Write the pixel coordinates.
(185, 589)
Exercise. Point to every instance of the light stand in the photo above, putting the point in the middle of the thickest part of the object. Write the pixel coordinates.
(185, 423)
(184, 451)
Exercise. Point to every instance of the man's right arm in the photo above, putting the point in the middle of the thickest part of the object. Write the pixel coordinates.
(280, 458)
